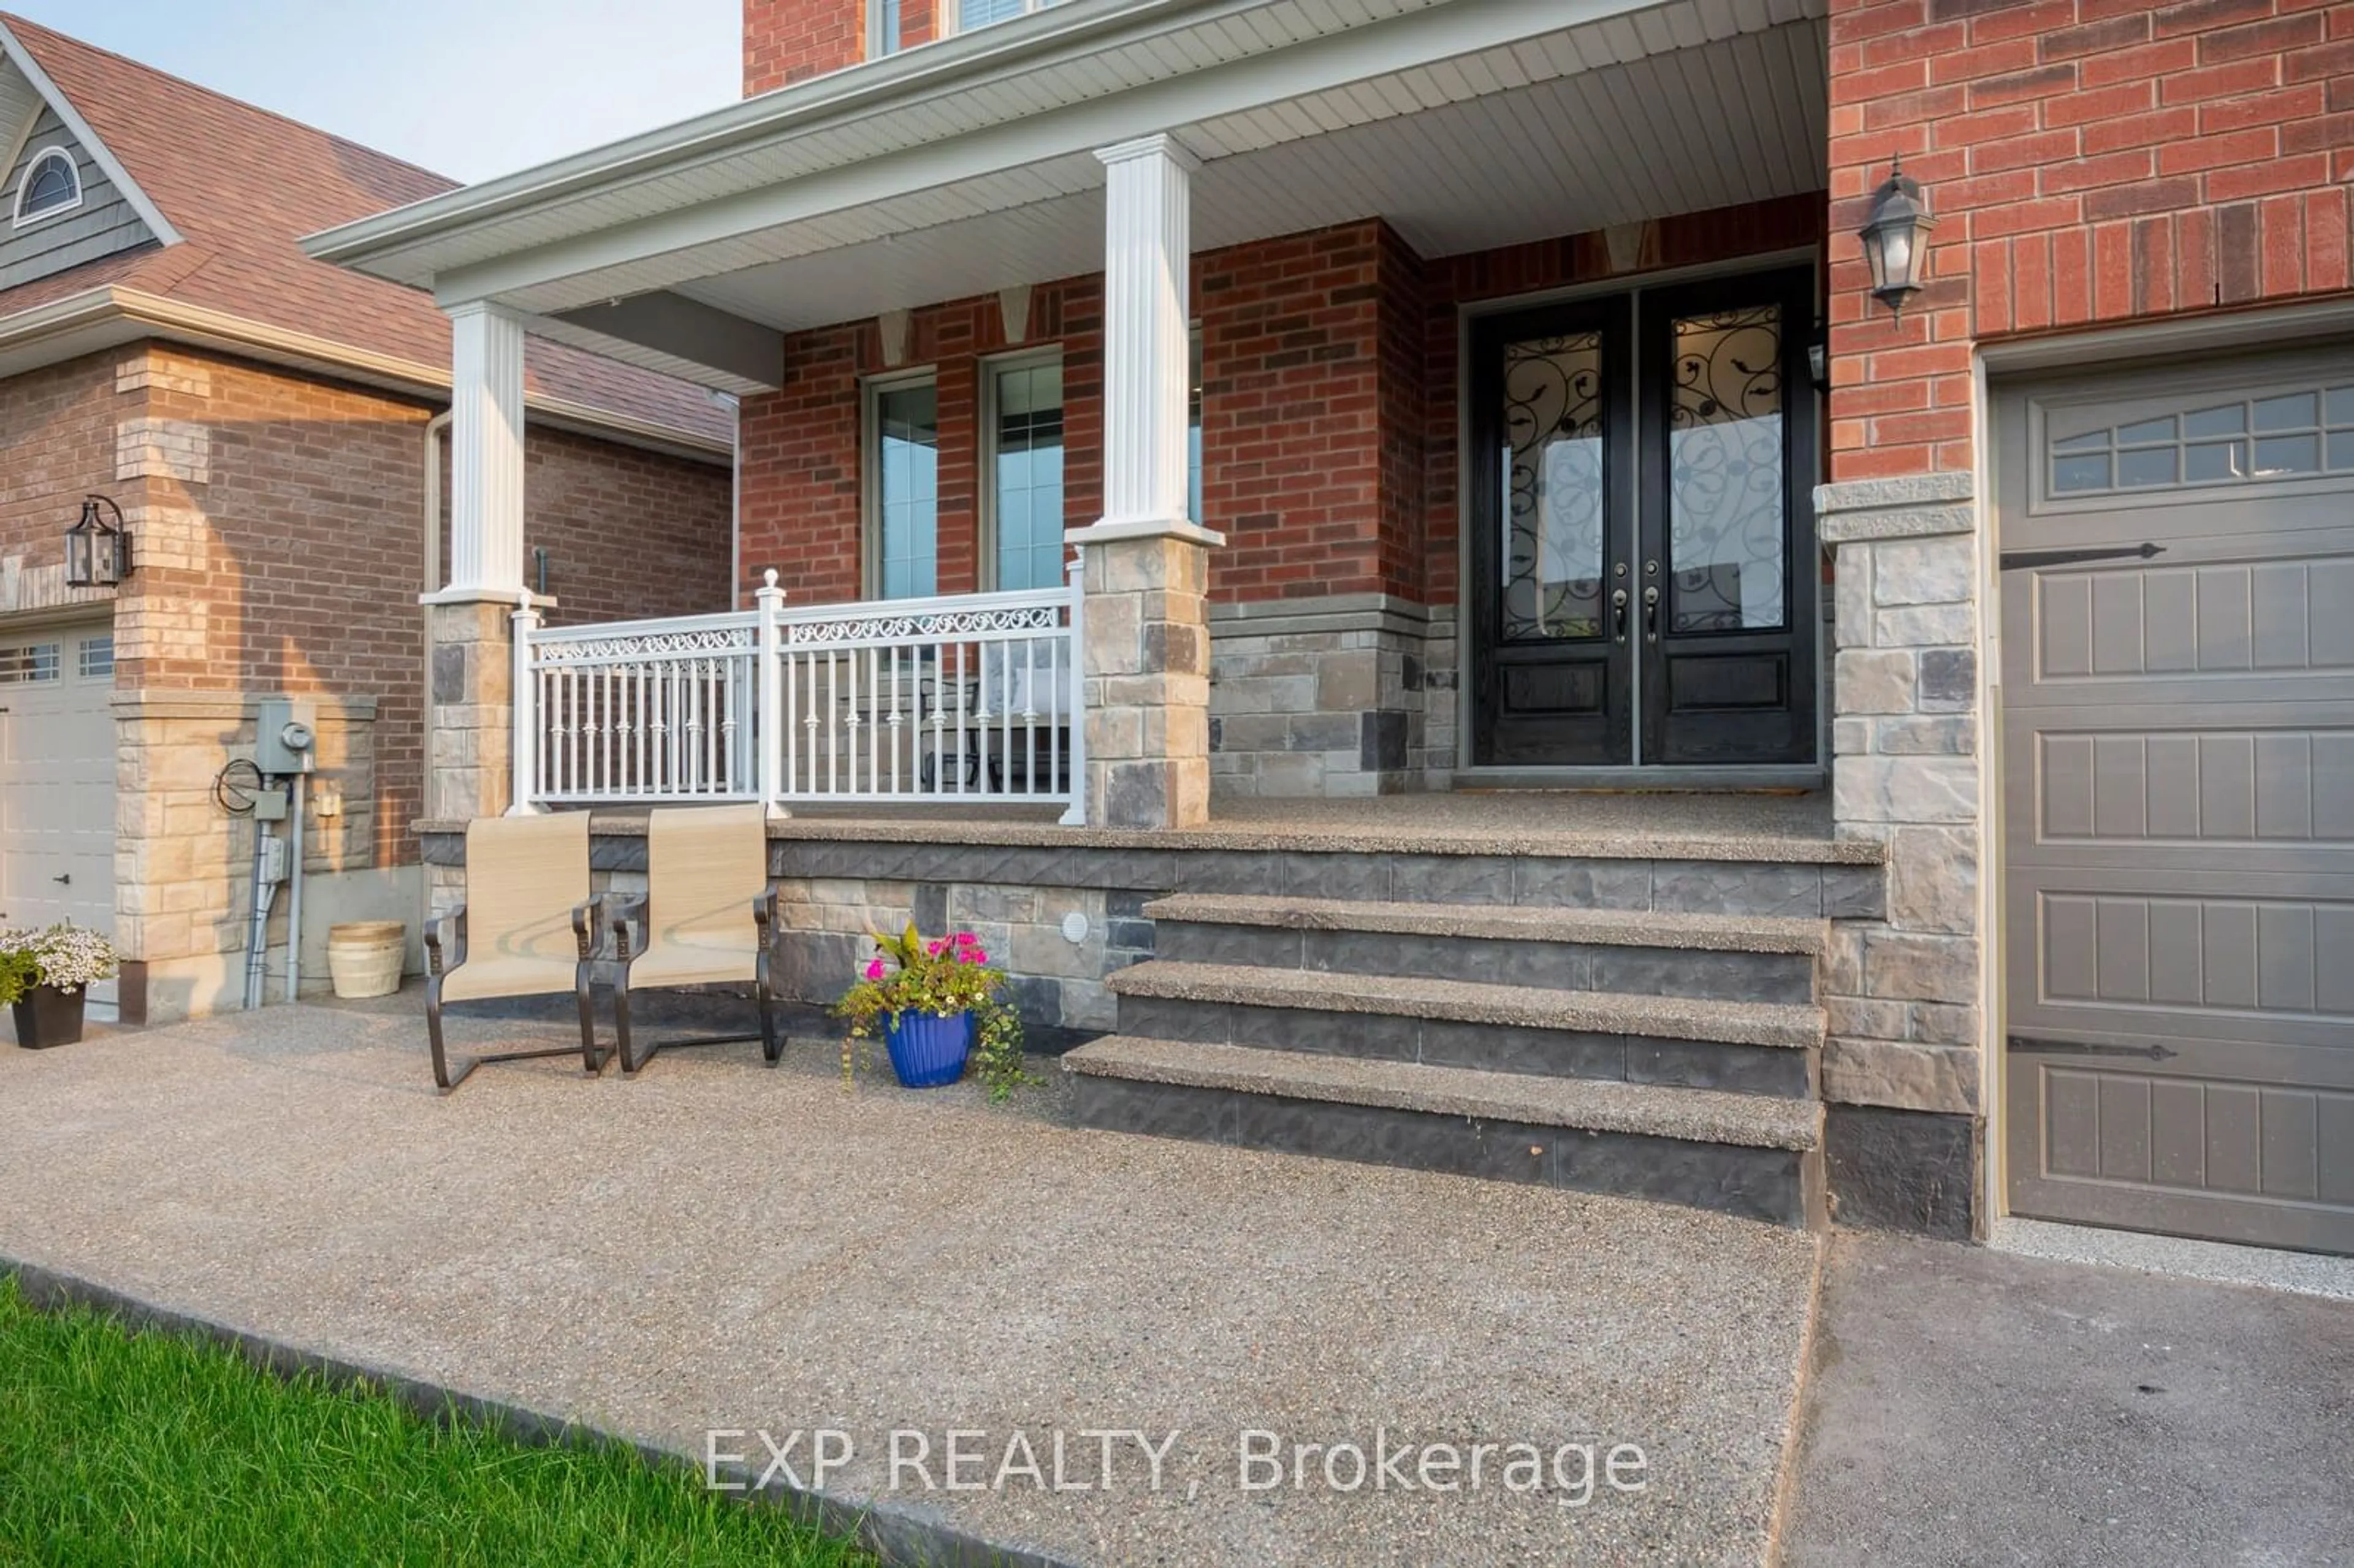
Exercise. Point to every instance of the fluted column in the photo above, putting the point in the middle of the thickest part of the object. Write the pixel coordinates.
(1148, 213)
(1146, 653)
(473, 622)
(485, 453)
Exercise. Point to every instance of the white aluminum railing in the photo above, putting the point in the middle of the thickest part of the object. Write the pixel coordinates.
(967, 698)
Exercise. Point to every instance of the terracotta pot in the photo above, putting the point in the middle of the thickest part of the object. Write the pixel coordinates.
(46, 1016)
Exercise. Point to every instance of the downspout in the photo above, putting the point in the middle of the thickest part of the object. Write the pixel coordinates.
(433, 428)
(735, 498)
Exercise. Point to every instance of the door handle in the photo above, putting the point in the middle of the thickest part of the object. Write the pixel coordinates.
(67, 879)
(1618, 613)
(1651, 614)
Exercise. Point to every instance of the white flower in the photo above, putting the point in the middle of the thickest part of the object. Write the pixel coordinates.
(68, 955)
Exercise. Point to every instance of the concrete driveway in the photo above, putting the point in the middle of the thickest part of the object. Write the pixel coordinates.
(1970, 1408)
(720, 1245)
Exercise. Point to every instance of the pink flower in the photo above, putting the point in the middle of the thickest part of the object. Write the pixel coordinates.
(973, 955)
(875, 970)
(936, 949)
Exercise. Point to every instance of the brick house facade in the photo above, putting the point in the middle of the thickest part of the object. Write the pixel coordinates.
(278, 507)
(1413, 573)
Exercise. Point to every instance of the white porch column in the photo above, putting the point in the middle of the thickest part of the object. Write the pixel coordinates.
(485, 452)
(477, 748)
(1148, 226)
(1146, 638)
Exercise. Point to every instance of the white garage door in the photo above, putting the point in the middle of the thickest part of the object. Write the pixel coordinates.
(57, 780)
(2178, 592)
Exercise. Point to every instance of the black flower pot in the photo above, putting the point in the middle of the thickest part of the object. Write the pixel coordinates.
(46, 1016)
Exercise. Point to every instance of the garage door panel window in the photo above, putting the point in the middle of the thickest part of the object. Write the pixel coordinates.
(36, 662)
(97, 657)
(2279, 435)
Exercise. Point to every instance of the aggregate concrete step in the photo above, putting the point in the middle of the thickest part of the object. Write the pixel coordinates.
(1760, 1048)
(1741, 1154)
(1739, 958)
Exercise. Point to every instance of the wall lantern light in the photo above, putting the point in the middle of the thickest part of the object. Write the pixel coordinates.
(1894, 236)
(96, 555)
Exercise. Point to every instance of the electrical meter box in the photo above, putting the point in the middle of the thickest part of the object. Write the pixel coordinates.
(286, 740)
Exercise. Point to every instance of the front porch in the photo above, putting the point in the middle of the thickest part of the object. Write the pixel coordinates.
(1155, 411)
(1224, 334)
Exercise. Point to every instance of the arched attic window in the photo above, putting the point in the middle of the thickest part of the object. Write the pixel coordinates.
(52, 186)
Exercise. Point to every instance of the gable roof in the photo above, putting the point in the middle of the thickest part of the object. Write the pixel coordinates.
(232, 188)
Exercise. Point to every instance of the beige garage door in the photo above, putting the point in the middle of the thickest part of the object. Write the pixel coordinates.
(57, 779)
(2178, 700)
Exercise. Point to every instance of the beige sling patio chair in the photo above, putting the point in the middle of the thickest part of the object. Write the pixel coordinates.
(528, 927)
(708, 917)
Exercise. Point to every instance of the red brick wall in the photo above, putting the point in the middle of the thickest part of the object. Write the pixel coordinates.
(787, 40)
(1755, 229)
(2087, 162)
(631, 534)
(314, 554)
(1311, 467)
(57, 444)
(1297, 373)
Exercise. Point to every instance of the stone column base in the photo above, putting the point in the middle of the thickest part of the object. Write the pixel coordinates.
(468, 729)
(1148, 683)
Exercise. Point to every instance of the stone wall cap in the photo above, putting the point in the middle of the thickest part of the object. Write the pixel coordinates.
(1904, 490)
(1867, 526)
(1352, 604)
(1112, 530)
(1334, 838)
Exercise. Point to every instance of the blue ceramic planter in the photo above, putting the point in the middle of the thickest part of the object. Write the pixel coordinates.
(928, 1050)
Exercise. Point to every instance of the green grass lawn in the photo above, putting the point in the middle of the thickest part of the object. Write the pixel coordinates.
(121, 1447)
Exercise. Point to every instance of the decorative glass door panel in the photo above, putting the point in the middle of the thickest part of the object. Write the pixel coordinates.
(1553, 422)
(1728, 529)
(1642, 588)
(1552, 504)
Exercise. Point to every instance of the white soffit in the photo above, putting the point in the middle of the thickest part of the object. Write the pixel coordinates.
(656, 212)
(1720, 123)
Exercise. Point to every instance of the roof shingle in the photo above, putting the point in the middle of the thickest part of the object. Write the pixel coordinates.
(243, 185)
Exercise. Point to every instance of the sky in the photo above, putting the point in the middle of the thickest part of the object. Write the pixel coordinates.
(467, 88)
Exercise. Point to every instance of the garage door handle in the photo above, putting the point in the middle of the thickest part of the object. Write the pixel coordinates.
(2035, 1047)
(67, 879)
(2020, 560)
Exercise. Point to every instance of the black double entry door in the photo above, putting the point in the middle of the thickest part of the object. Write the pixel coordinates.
(1643, 586)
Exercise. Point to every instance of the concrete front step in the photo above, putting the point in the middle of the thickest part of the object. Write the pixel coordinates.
(1741, 1154)
(1759, 1048)
(1741, 957)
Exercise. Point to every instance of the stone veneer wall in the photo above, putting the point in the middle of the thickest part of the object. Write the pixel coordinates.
(1902, 992)
(1334, 699)
(184, 865)
(1059, 985)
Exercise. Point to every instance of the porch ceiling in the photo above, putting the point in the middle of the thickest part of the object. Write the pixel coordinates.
(1729, 121)
(967, 165)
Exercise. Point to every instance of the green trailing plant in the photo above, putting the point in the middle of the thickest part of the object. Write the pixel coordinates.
(18, 973)
(66, 956)
(941, 975)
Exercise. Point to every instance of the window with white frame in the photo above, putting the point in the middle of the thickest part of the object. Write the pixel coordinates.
(972, 14)
(51, 186)
(883, 20)
(1022, 471)
(1194, 436)
(903, 422)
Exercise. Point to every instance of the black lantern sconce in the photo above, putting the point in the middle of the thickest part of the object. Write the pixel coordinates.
(98, 555)
(1895, 238)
